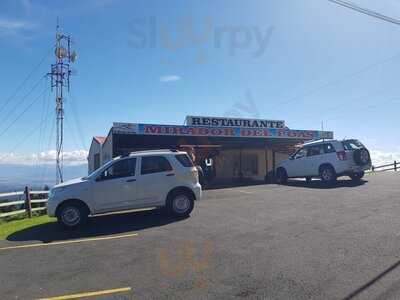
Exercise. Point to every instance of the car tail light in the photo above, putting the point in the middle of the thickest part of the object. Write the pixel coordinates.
(341, 155)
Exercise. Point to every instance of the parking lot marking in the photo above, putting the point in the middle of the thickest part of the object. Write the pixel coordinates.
(89, 294)
(70, 242)
(245, 192)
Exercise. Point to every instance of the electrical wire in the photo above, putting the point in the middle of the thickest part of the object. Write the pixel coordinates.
(335, 81)
(72, 134)
(44, 171)
(19, 103)
(42, 130)
(8, 100)
(27, 136)
(22, 113)
(380, 104)
(78, 123)
(365, 11)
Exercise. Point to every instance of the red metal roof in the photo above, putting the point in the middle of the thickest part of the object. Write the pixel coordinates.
(100, 139)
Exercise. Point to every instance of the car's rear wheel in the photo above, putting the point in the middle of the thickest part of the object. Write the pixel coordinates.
(328, 174)
(281, 176)
(72, 215)
(357, 176)
(180, 204)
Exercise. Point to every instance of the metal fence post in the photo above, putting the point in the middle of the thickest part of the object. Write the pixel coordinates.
(28, 205)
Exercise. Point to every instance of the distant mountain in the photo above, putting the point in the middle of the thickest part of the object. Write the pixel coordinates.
(16, 176)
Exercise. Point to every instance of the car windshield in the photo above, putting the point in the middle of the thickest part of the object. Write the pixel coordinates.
(97, 171)
(352, 145)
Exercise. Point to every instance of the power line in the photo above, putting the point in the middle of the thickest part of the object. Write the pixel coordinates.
(365, 11)
(23, 82)
(336, 81)
(78, 123)
(22, 113)
(380, 104)
(29, 134)
(15, 107)
(43, 127)
(44, 171)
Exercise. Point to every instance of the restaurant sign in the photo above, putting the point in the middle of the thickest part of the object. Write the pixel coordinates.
(233, 122)
(178, 130)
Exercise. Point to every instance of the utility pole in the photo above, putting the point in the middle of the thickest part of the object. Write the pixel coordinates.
(60, 73)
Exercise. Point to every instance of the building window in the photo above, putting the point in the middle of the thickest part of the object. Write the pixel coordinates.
(249, 164)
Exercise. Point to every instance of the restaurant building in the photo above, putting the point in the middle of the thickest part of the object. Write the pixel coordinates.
(226, 148)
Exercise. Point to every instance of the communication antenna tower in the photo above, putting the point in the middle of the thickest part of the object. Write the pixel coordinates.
(60, 74)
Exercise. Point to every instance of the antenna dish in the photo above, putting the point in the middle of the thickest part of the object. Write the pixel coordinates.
(61, 52)
(73, 56)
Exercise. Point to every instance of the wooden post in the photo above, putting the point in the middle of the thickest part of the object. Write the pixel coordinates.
(28, 205)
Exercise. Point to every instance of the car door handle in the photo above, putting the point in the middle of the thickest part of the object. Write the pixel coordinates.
(170, 174)
(131, 180)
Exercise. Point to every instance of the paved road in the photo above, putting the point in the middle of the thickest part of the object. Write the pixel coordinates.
(265, 241)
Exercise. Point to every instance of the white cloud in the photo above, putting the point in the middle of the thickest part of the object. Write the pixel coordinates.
(169, 78)
(75, 157)
(380, 158)
(12, 27)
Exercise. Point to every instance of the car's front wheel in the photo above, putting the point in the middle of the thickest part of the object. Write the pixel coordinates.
(72, 215)
(328, 174)
(180, 204)
(357, 176)
(281, 176)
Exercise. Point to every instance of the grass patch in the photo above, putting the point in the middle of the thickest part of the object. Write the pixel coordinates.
(7, 228)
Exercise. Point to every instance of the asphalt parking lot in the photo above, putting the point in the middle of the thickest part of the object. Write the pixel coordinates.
(259, 242)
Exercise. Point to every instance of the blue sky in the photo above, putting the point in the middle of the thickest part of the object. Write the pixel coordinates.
(301, 61)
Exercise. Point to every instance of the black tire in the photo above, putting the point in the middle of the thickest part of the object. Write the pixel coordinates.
(308, 179)
(180, 204)
(361, 157)
(72, 215)
(357, 176)
(328, 174)
(281, 176)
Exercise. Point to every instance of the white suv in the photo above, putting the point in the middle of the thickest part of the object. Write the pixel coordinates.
(327, 159)
(159, 178)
